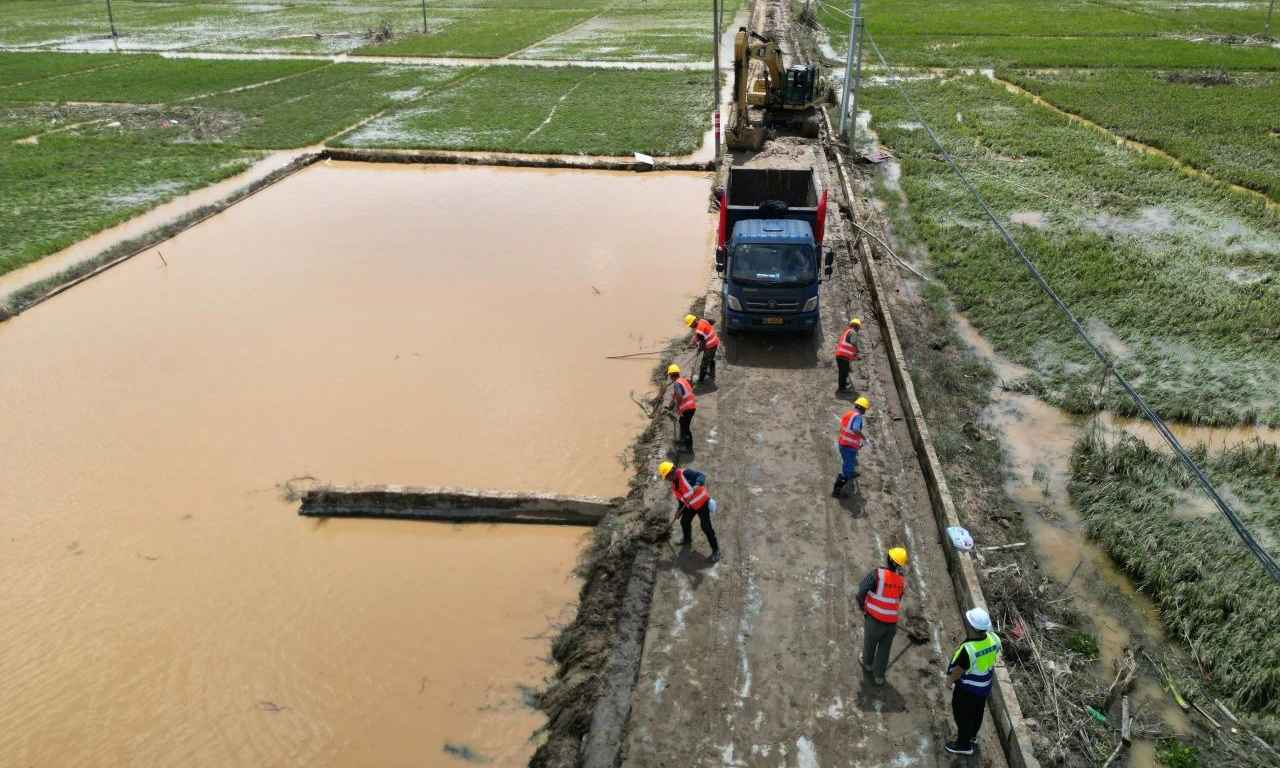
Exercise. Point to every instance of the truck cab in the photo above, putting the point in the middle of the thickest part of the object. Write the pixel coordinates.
(769, 250)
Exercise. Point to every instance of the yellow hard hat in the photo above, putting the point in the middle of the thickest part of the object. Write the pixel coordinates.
(665, 468)
(862, 403)
(688, 319)
(673, 370)
(856, 322)
(898, 555)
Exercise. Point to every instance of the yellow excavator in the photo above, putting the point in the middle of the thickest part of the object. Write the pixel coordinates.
(776, 100)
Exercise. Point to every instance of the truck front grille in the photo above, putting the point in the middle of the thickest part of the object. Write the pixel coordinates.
(773, 306)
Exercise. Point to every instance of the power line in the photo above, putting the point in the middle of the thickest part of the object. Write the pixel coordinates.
(1268, 564)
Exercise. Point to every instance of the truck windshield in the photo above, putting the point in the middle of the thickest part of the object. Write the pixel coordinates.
(773, 263)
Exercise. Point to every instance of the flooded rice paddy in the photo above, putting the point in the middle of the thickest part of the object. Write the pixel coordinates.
(424, 325)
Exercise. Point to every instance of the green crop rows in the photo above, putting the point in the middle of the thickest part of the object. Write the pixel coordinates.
(562, 110)
(1218, 122)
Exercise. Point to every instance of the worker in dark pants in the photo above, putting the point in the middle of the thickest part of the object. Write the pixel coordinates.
(684, 404)
(846, 353)
(970, 676)
(880, 596)
(690, 489)
(850, 444)
(707, 343)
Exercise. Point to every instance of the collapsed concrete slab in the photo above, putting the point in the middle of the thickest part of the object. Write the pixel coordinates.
(455, 505)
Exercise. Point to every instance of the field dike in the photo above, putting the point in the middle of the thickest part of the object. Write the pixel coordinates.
(598, 654)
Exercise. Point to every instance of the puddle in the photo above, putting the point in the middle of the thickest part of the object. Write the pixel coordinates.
(1037, 439)
(1216, 438)
(411, 324)
(1028, 218)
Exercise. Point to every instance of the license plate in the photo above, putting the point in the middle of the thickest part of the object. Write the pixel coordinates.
(773, 321)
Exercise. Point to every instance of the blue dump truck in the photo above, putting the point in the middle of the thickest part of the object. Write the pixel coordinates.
(769, 250)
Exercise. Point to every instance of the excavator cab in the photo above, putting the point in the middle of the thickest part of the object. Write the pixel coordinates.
(801, 88)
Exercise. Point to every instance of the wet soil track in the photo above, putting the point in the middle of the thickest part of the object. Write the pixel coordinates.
(749, 660)
(753, 661)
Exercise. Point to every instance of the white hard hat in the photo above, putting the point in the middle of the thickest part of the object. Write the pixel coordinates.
(978, 619)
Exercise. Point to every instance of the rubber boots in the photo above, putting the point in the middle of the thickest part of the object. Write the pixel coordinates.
(837, 492)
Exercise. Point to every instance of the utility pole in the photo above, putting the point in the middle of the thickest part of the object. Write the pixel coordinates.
(424, 17)
(1266, 29)
(848, 63)
(716, 7)
(111, 19)
(857, 89)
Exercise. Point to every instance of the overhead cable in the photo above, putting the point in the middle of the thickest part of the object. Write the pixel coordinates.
(1268, 564)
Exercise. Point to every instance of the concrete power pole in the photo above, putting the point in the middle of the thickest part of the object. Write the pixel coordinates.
(111, 19)
(716, 7)
(854, 40)
(857, 89)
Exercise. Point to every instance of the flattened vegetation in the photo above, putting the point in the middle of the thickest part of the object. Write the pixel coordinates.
(1177, 273)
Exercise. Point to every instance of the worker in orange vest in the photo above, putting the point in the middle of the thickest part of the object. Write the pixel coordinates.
(880, 596)
(846, 353)
(850, 444)
(689, 488)
(683, 403)
(707, 342)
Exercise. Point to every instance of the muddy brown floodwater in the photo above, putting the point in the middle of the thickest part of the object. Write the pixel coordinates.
(1037, 439)
(424, 325)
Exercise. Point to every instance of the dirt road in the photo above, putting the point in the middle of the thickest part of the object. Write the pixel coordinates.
(753, 661)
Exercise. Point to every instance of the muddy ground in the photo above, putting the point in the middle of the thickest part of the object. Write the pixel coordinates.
(754, 659)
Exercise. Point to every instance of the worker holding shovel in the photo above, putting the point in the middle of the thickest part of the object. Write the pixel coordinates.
(685, 406)
(850, 444)
(846, 353)
(707, 342)
(689, 488)
(880, 596)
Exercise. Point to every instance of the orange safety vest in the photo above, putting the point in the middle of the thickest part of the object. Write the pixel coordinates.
(882, 602)
(704, 331)
(851, 430)
(693, 496)
(845, 348)
(683, 394)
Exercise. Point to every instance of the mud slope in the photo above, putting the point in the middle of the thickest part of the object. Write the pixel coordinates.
(754, 661)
